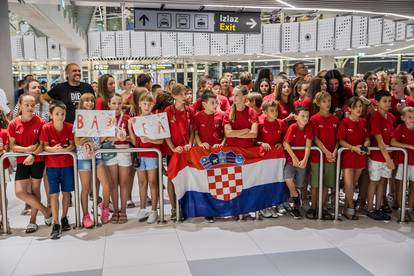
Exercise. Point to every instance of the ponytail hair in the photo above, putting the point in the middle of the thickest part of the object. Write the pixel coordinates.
(134, 102)
(233, 110)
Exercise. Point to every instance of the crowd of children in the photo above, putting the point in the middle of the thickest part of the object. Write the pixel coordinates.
(305, 112)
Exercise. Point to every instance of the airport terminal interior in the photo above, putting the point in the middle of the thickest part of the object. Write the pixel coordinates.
(206, 137)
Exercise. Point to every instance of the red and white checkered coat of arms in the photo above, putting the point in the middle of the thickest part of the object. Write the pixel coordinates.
(225, 183)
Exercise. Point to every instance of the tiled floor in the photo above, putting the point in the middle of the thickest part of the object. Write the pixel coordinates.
(269, 247)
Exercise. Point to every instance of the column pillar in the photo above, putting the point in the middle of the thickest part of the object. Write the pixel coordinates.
(6, 76)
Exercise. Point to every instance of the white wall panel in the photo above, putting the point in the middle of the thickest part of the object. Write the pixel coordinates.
(53, 48)
(388, 33)
(41, 47)
(359, 31)
(16, 43)
(94, 44)
(185, 44)
(271, 38)
(410, 31)
(108, 44)
(138, 44)
(169, 44)
(254, 44)
(201, 44)
(122, 44)
(153, 44)
(29, 47)
(400, 30)
(375, 30)
(218, 44)
(290, 37)
(235, 44)
(343, 31)
(326, 34)
(307, 39)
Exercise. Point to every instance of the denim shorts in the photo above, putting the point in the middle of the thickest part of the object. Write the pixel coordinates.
(147, 163)
(60, 179)
(86, 165)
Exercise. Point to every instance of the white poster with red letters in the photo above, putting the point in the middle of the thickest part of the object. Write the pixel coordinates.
(152, 126)
(95, 123)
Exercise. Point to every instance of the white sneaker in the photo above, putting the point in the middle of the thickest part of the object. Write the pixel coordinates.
(266, 213)
(153, 217)
(274, 212)
(142, 215)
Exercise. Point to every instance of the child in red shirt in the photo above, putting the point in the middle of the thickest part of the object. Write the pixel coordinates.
(271, 133)
(57, 136)
(119, 165)
(301, 93)
(24, 134)
(255, 100)
(106, 89)
(325, 126)
(148, 163)
(380, 163)
(298, 134)
(208, 124)
(284, 97)
(179, 117)
(240, 122)
(403, 137)
(353, 135)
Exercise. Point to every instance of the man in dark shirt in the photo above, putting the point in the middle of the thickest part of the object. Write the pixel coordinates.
(69, 92)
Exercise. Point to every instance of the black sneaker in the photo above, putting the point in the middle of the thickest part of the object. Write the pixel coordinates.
(65, 224)
(383, 215)
(297, 202)
(209, 219)
(56, 233)
(295, 213)
(378, 215)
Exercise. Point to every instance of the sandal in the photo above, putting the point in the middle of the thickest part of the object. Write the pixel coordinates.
(31, 228)
(114, 218)
(350, 214)
(311, 214)
(326, 215)
(122, 218)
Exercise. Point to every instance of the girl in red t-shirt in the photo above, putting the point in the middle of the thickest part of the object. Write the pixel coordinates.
(148, 163)
(106, 89)
(179, 118)
(301, 94)
(353, 135)
(24, 134)
(119, 165)
(240, 122)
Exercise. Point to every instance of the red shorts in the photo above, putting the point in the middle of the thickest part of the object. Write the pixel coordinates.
(352, 160)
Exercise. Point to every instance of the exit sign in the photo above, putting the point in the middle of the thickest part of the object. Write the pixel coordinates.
(231, 22)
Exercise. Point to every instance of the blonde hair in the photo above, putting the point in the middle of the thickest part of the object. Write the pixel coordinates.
(233, 110)
(85, 97)
(134, 102)
(145, 97)
(320, 96)
(407, 109)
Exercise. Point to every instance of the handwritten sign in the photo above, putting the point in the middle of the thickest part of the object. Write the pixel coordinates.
(152, 126)
(95, 123)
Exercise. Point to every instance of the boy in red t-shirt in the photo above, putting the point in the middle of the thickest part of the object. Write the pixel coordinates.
(299, 134)
(403, 137)
(255, 100)
(325, 126)
(380, 163)
(208, 124)
(57, 136)
(271, 133)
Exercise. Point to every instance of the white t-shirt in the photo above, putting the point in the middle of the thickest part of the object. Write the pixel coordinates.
(4, 103)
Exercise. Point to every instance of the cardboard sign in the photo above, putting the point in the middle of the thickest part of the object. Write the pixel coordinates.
(152, 126)
(95, 123)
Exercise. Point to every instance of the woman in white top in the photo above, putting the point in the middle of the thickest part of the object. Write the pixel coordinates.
(33, 88)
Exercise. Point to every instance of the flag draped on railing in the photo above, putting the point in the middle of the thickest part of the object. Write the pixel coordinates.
(227, 181)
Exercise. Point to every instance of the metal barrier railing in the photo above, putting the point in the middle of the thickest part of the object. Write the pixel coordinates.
(404, 181)
(129, 150)
(3, 183)
(320, 182)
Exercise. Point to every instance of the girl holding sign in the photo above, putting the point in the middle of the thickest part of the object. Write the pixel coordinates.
(179, 118)
(148, 163)
(119, 165)
(24, 134)
(85, 147)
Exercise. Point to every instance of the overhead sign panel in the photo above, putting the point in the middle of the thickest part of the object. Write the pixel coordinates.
(190, 21)
(238, 22)
(184, 21)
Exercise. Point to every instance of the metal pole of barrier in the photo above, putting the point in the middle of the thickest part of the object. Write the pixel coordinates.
(404, 184)
(3, 184)
(320, 203)
(129, 150)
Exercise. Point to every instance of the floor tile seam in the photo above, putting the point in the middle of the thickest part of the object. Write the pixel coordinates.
(22, 256)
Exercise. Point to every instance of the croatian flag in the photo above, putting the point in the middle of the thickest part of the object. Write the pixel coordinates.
(228, 181)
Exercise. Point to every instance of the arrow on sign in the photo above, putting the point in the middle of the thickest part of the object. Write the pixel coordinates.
(144, 19)
(252, 23)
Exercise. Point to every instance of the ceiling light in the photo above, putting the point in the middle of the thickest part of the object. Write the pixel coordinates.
(285, 3)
